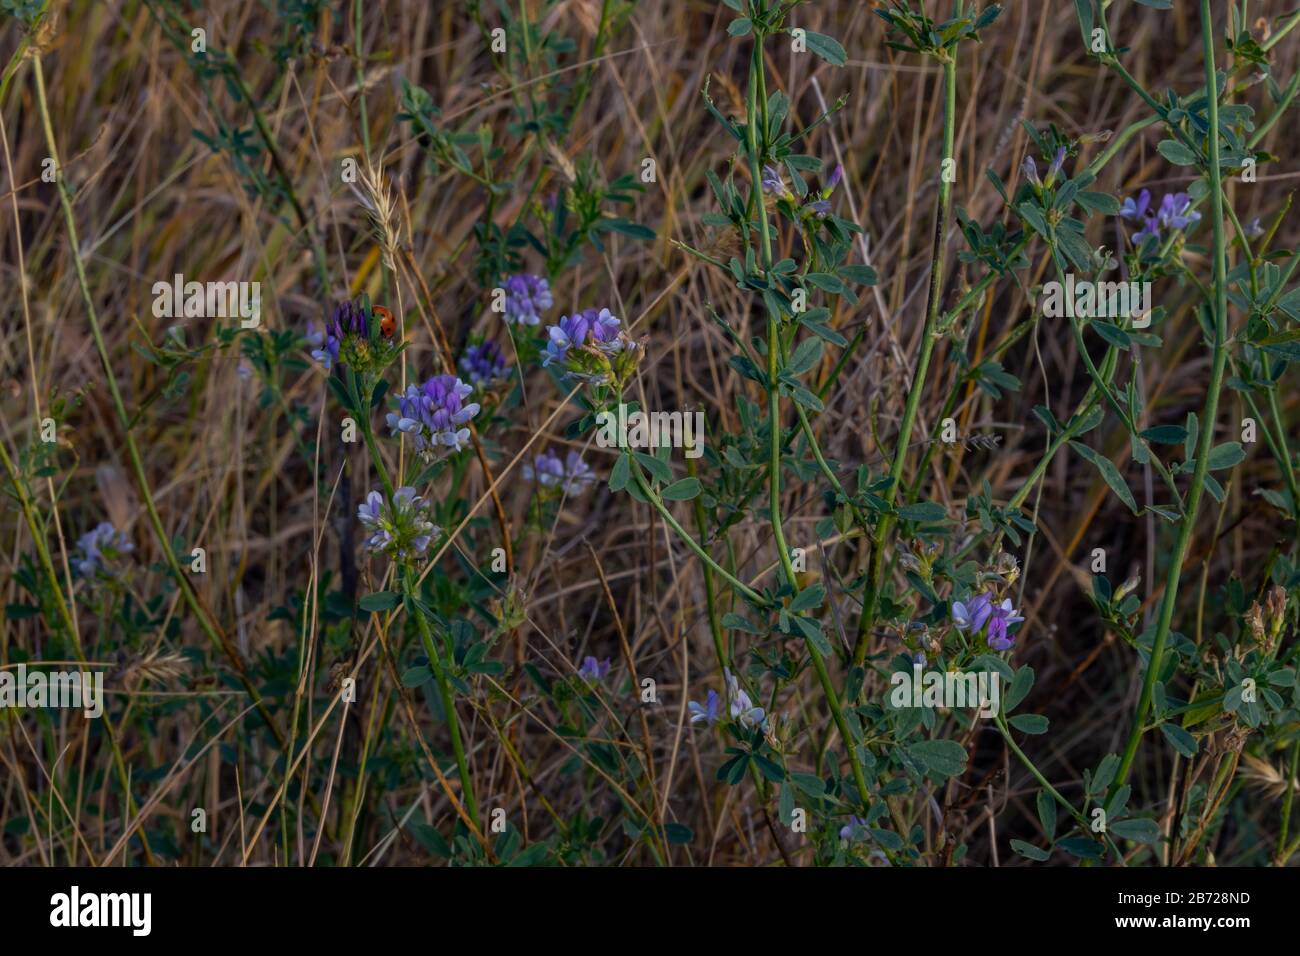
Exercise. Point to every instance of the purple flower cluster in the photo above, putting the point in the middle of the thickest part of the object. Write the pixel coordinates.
(854, 830)
(435, 414)
(402, 530)
(973, 614)
(483, 364)
(1175, 213)
(742, 708)
(527, 297)
(821, 205)
(572, 475)
(100, 548)
(590, 327)
(348, 319)
(594, 670)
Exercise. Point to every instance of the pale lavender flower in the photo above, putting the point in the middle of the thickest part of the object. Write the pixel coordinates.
(1057, 162)
(99, 549)
(347, 319)
(573, 476)
(527, 297)
(402, 530)
(707, 712)
(595, 327)
(1174, 213)
(743, 710)
(594, 670)
(435, 414)
(1029, 169)
(854, 830)
(772, 182)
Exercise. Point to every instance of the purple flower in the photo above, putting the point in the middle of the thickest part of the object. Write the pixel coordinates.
(402, 530)
(707, 712)
(100, 548)
(527, 297)
(970, 615)
(821, 208)
(1029, 169)
(854, 830)
(348, 319)
(1001, 616)
(597, 328)
(572, 475)
(743, 710)
(772, 182)
(435, 413)
(1057, 162)
(483, 364)
(593, 670)
(836, 175)
(1175, 212)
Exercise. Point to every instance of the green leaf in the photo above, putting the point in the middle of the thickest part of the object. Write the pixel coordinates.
(809, 598)
(658, 469)
(923, 511)
(740, 27)
(1226, 455)
(828, 48)
(416, 676)
(1047, 813)
(947, 758)
(1176, 152)
(1140, 830)
(1112, 334)
(1020, 686)
(1109, 472)
(805, 356)
(620, 474)
(1104, 203)
(683, 490)
(1030, 851)
(1166, 434)
(1029, 723)
(380, 601)
(1181, 740)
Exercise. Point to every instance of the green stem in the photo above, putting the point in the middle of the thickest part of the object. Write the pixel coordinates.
(871, 593)
(1208, 414)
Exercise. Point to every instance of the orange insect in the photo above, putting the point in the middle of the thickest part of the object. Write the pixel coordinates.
(387, 324)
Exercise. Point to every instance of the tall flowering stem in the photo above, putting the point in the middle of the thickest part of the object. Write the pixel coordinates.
(939, 256)
(756, 120)
(1208, 414)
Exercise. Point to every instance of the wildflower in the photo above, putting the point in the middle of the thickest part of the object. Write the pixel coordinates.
(1029, 169)
(573, 476)
(352, 339)
(743, 710)
(970, 615)
(100, 549)
(1054, 170)
(773, 183)
(483, 364)
(1002, 615)
(820, 205)
(707, 712)
(435, 413)
(594, 670)
(401, 530)
(1174, 213)
(527, 297)
(1254, 229)
(590, 345)
(854, 829)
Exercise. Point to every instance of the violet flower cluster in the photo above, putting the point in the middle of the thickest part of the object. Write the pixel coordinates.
(435, 415)
(527, 297)
(594, 670)
(572, 475)
(591, 346)
(99, 550)
(484, 364)
(973, 614)
(1175, 213)
(401, 530)
(354, 338)
(742, 708)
